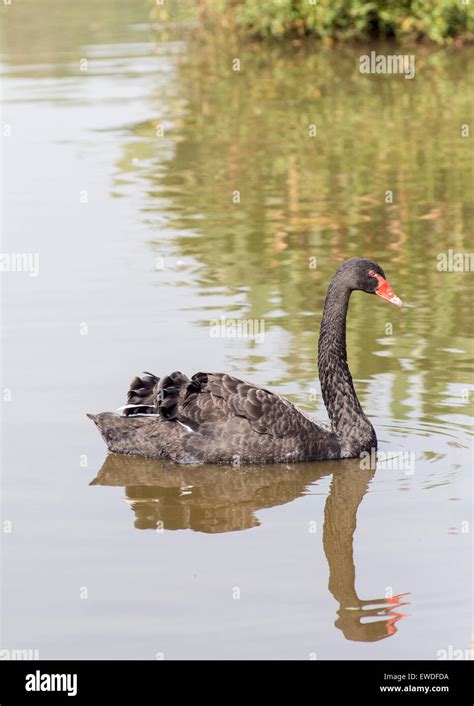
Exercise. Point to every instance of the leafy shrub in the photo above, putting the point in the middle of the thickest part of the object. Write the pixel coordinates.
(441, 21)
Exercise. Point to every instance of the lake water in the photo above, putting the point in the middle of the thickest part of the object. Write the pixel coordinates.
(121, 175)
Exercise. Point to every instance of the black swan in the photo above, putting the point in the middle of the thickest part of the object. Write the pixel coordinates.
(216, 418)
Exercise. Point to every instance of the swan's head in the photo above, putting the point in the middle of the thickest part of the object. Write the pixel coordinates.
(369, 277)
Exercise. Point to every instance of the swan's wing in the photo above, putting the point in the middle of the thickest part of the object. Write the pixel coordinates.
(217, 398)
(213, 418)
(141, 395)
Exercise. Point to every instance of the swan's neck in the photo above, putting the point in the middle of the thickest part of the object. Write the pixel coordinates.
(352, 428)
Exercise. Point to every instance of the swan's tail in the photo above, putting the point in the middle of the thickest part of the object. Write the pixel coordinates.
(141, 396)
(148, 436)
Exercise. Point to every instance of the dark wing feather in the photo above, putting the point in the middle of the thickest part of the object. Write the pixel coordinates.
(217, 397)
(141, 395)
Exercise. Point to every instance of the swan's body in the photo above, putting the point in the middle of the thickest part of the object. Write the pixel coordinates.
(217, 418)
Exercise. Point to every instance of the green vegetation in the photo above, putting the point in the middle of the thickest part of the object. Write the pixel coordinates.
(440, 21)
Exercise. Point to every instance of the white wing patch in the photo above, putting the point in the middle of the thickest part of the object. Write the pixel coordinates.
(184, 425)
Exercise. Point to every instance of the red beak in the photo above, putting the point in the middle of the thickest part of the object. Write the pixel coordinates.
(385, 291)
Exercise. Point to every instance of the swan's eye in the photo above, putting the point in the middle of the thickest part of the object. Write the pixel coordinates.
(371, 273)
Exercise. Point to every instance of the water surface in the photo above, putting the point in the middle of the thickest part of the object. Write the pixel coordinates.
(122, 175)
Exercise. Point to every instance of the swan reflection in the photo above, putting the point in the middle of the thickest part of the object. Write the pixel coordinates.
(215, 499)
